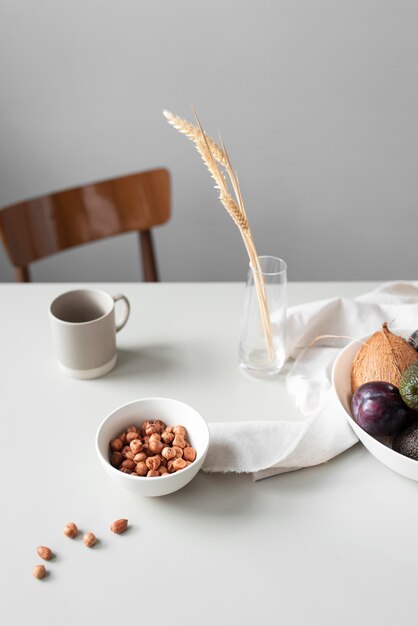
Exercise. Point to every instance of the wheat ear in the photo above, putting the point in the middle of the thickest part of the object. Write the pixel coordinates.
(212, 155)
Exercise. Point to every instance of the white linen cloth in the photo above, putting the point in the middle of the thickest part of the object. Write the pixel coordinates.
(267, 448)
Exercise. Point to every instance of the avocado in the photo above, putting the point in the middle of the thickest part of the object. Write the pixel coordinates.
(409, 386)
(406, 442)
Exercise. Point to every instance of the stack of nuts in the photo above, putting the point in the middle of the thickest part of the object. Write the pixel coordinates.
(153, 449)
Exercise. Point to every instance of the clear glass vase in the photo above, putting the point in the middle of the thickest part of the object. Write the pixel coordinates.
(261, 349)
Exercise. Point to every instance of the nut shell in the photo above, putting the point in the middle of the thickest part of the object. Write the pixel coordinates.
(119, 526)
(70, 530)
(89, 540)
(39, 572)
(44, 552)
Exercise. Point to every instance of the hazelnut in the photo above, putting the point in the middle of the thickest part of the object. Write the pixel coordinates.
(189, 454)
(153, 462)
(139, 457)
(150, 430)
(179, 441)
(116, 459)
(179, 464)
(162, 470)
(39, 572)
(119, 526)
(136, 446)
(169, 429)
(153, 474)
(178, 451)
(45, 553)
(141, 469)
(131, 436)
(155, 437)
(122, 437)
(70, 530)
(160, 425)
(167, 437)
(127, 453)
(180, 430)
(116, 444)
(170, 467)
(125, 470)
(162, 459)
(131, 429)
(128, 464)
(168, 453)
(89, 540)
(155, 446)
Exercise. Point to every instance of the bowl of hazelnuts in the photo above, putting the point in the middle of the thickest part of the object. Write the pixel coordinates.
(153, 446)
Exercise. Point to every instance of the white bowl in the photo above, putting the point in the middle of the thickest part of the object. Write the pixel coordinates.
(171, 412)
(341, 380)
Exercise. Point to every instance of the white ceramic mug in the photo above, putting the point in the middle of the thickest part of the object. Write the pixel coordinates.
(84, 331)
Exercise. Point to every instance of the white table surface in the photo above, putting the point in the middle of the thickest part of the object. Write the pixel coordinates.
(331, 545)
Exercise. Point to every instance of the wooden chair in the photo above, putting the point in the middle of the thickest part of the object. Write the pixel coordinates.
(37, 228)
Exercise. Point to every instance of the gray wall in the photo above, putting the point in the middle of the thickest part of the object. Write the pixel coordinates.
(317, 101)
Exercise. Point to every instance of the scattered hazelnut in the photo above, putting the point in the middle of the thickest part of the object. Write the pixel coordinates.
(44, 552)
(153, 462)
(179, 464)
(178, 451)
(139, 457)
(89, 540)
(155, 446)
(150, 430)
(169, 453)
(155, 437)
(116, 459)
(153, 474)
(141, 469)
(116, 444)
(131, 436)
(70, 530)
(128, 464)
(119, 526)
(39, 572)
(189, 454)
(170, 467)
(179, 441)
(180, 430)
(167, 437)
(136, 446)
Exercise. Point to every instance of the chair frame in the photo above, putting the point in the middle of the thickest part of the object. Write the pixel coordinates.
(37, 228)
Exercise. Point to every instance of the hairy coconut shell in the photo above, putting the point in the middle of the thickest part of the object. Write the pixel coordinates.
(384, 357)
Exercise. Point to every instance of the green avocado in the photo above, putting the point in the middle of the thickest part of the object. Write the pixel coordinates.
(409, 386)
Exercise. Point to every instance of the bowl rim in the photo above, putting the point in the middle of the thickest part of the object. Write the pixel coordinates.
(164, 477)
(406, 459)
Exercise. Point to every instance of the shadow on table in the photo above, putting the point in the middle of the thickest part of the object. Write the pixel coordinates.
(143, 361)
(226, 495)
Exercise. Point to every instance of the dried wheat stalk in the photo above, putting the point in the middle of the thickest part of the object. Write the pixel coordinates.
(214, 155)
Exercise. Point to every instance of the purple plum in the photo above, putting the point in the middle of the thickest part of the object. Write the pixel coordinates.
(378, 409)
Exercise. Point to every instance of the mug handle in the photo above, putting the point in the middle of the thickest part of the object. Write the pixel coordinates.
(121, 324)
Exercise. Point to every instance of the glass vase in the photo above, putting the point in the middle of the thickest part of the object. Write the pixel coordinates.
(261, 349)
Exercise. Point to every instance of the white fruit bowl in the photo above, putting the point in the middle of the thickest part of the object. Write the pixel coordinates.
(341, 381)
(172, 412)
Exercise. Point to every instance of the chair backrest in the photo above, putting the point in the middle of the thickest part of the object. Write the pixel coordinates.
(37, 228)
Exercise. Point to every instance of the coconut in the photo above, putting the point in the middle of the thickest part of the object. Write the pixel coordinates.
(384, 357)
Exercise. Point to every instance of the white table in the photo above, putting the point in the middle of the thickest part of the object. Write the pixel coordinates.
(331, 545)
